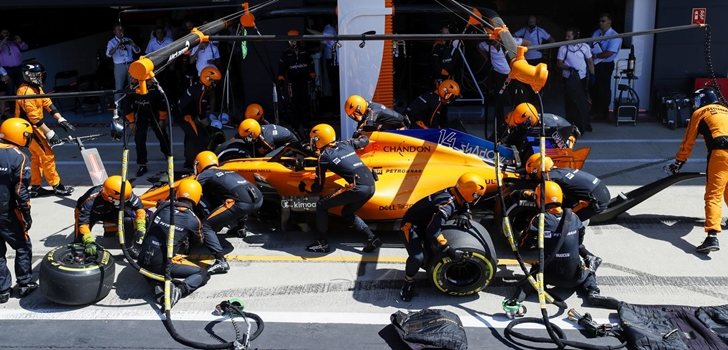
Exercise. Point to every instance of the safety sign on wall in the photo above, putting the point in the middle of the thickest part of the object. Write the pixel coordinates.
(699, 15)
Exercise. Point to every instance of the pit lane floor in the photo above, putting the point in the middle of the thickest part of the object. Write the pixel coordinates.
(344, 300)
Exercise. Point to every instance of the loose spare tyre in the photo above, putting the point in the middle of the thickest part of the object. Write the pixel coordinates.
(69, 277)
(474, 273)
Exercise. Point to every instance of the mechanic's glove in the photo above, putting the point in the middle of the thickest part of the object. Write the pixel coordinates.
(89, 242)
(28, 221)
(302, 187)
(675, 167)
(135, 250)
(53, 139)
(67, 126)
(454, 254)
(462, 221)
(315, 187)
(139, 236)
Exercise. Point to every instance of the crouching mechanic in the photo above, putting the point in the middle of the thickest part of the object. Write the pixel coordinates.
(422, 223)
(15, 220)
(237, 198)
(341, 159)
(371, 116)
(584, 193)
(710, 119)
(265, 138)
(101, 204)
(563, 237)
(187, 227)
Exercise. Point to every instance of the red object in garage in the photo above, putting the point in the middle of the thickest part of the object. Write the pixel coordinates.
(722, 82)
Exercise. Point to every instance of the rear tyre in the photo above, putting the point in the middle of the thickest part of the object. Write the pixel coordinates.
(68, 277)
(474, 273)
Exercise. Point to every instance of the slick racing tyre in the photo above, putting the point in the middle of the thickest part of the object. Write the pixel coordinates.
(68, 277)
(474, 273)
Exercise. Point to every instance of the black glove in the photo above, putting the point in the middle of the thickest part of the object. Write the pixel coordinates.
(675, 167)
(55, 140)
(67, 126)
(315, 187)
(462, 221)
(28, 221)
(454, 254)
(135, 250)
(302, 187)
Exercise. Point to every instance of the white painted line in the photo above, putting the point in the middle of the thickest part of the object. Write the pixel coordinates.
(476, 320)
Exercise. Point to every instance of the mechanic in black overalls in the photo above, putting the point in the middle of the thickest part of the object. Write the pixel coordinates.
(563, 237)
(264, 138)
(422, 223)
(15, 219)
(234, 197)
(295, 75)
(341, 159)
(371, 116)
(101, 204)
(429, 110)
(524, 121)
(143, 111)
(584, 193)
(187, 227)
(194, 109)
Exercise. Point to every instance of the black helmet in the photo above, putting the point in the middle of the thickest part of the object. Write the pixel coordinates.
(704, 96)
(34, 73)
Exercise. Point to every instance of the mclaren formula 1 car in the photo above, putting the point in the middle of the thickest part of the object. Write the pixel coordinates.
(409, 164)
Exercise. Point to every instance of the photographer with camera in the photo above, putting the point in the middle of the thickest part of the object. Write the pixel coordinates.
(574, 61)
(121, 49)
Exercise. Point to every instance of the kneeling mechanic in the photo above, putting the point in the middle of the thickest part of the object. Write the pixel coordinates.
(422, 225)
(186, 227)
(563, 236)
(235, 198)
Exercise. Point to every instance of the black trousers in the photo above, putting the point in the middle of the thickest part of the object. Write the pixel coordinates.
(415, 245)
(602, 92)
(352, 200)
(298, 105)
(193, 275)
(230, 214)
(111, 226)
(577, 106)
(145, 120)
(196, 139)
(12, 233)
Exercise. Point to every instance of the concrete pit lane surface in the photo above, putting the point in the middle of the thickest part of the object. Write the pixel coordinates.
(344, 299)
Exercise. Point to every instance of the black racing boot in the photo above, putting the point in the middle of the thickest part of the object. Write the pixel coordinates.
(39, 191)
(62, 190)
(408, 290)
(174, 295)
(595, 299)
(27, 288)
(372, 245)
(320, 246)
(219, 266)
(710, 244)
(141, 170)
(4, 296)
(592, 263)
